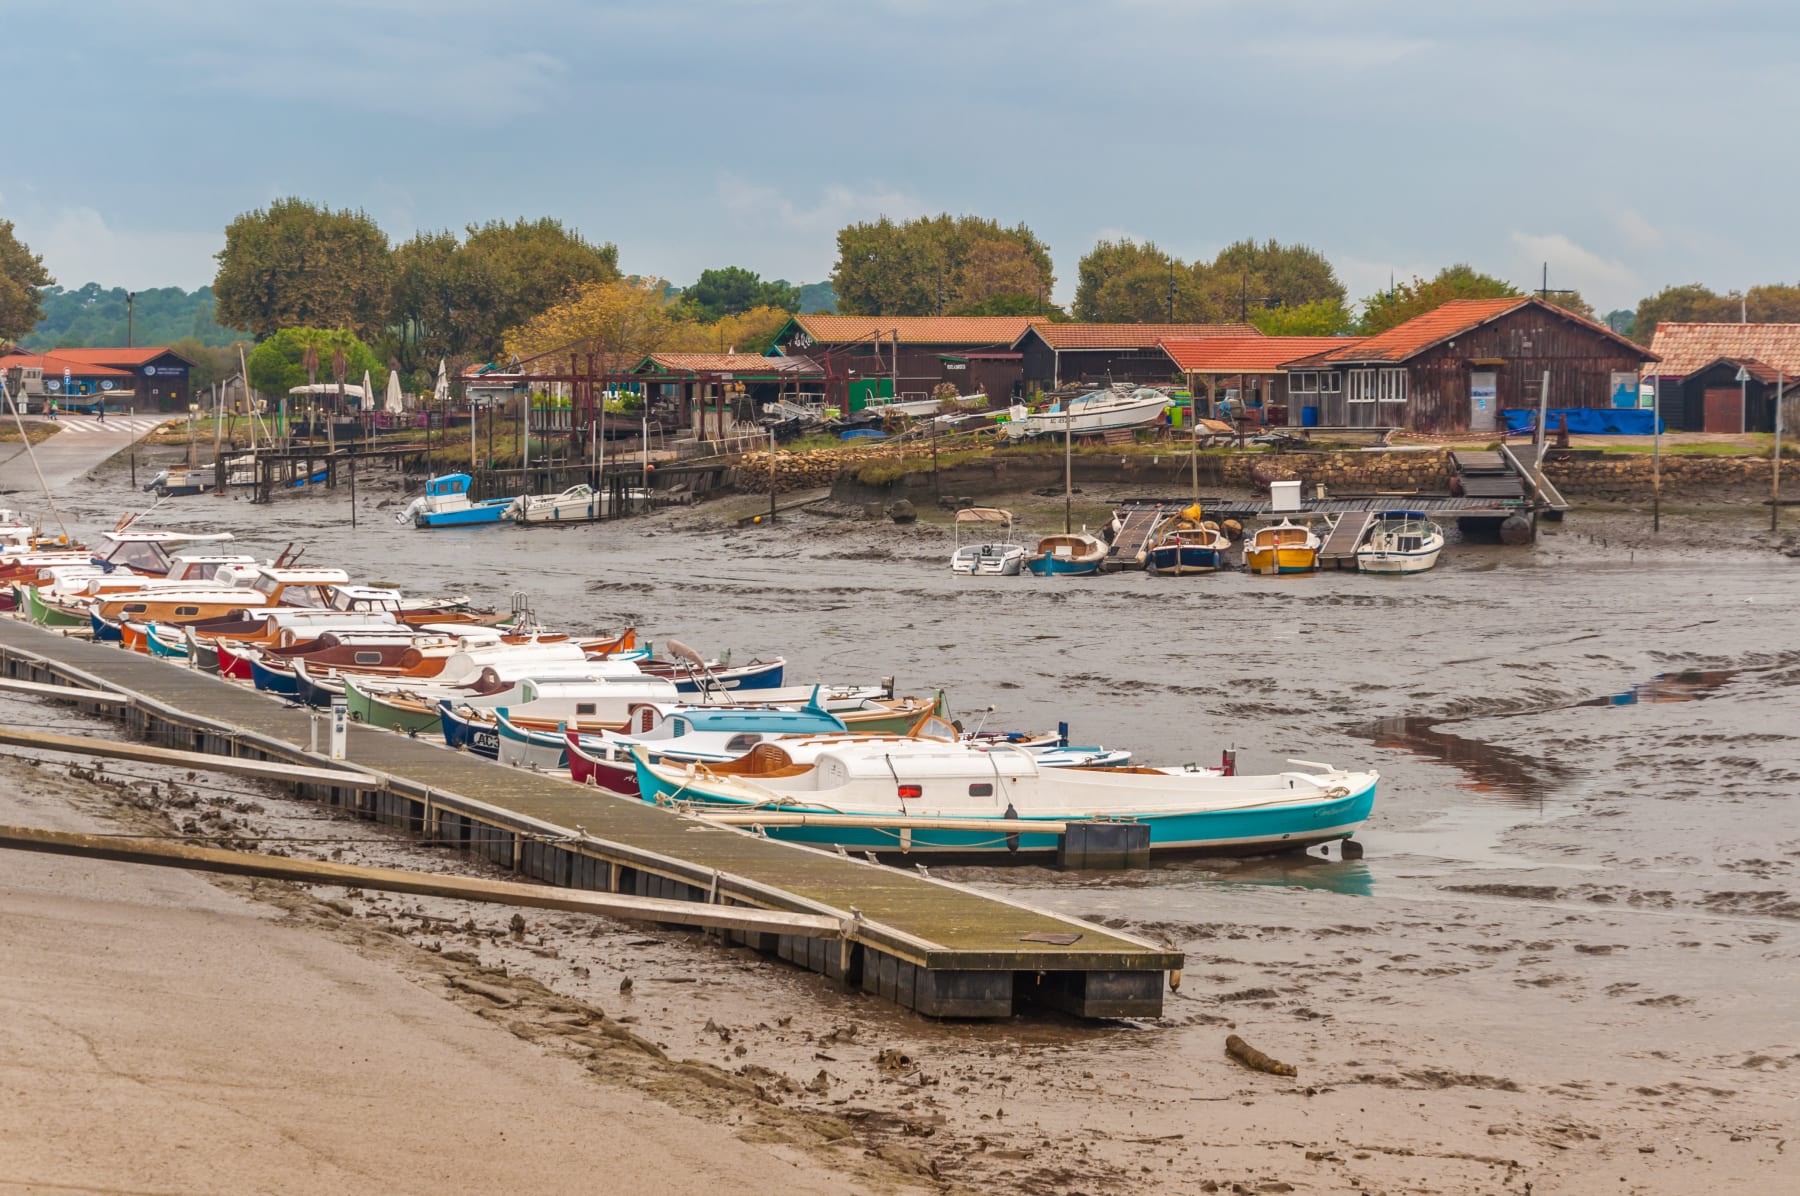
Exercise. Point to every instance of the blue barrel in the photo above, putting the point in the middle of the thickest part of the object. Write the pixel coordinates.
(1309, 417)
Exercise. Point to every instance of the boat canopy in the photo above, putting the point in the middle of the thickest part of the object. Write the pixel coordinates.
(985, 515)
(450, 483)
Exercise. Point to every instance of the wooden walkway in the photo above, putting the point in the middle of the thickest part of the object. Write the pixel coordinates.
(1339, 549)
(941, 949)
(1131, 547)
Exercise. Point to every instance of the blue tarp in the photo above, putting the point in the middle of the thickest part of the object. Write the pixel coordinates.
(1592, 421)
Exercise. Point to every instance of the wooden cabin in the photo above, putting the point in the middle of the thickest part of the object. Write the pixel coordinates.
(1053, 355)
(1251, 369)
(1696, 381)
(1458, 367)
(874, 358)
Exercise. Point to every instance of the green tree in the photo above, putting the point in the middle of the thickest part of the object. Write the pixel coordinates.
(281, 362)
(1388, 308)
(1773, 303)
(525, 268)
(1116, 282)
(299, 264)
(1279, 275)
(817, 297)
(22, 277)
(212, 363)
(1321, 317)
(1692, 302)
(919, 267)
(733, 290)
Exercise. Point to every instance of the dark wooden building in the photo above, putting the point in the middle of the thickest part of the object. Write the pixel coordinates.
(869, 359)
(148, 378)
(1249, 371)
(1696, 381)
(712, 393)
(1053, 355)
(1458, 367)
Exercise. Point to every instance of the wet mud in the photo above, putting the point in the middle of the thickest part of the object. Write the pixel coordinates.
(1564, 960)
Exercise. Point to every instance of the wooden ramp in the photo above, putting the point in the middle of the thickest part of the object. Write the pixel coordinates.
(1524, 458)
(941, 949)
(1346, 536)
(1131, 547)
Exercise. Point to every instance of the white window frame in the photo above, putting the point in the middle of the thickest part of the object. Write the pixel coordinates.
(1331, 382)
(1362, 386)
(1392, 386)
(1304, 382)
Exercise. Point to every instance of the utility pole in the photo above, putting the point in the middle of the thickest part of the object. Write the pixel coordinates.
(1775, 476)
(130, 315)
(1544, 291)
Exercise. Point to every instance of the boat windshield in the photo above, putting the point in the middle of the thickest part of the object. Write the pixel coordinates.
(138, 554)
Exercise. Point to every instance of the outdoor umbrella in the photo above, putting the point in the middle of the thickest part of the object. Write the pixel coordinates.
(394, 402)
(442, 393)
(368, 395)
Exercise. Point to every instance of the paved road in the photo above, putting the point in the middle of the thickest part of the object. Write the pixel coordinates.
(83, 443)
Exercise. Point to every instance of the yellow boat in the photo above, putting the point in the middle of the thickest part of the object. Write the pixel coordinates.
(1284, 548)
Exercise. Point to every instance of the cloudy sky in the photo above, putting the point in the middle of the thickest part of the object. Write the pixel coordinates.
(1631, 143)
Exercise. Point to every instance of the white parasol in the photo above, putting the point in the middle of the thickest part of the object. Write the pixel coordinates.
(442, 393)
(395, 403)
(368, 394)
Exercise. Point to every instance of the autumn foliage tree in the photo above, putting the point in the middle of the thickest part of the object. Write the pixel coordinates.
(1126, 281)
(298, 264)
(1401, 303)
(618, 321)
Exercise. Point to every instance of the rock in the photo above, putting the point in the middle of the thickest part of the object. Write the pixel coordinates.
(902, 512)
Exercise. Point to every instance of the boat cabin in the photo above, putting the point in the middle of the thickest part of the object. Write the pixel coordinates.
(149, 552)
(235, 568)
(175, 606)
(298, 587)
(369, 599)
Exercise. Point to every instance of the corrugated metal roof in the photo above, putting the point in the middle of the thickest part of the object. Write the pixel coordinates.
(1131, 336)
(1687, 348)
(915, 330)
(1246, 354)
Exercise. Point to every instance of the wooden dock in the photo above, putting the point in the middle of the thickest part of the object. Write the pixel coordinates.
(1345, 537)
(941, 949)
(1131, 547)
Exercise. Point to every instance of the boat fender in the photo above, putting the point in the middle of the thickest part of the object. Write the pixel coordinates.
(1012, 840)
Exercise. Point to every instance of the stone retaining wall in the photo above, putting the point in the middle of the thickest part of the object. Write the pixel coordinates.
(1627, 477)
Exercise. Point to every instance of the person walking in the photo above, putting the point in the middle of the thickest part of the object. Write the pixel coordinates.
(100, 410)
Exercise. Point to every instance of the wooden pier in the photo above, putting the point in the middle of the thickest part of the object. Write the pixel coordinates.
(1345, 537)
(940, 949)
(1131, 546)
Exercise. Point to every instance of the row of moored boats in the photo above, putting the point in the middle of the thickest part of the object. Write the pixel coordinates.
(850, 766)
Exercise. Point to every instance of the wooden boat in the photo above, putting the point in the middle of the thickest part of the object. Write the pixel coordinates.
(1400, 542)
(889, 780)
(1283, 548)
(547, 704)
(1189, 545)
(446, 503)
(1068, 554)
(417, 659)
(679, 735)
(1000, 558)
(578, 504)
(693, 674)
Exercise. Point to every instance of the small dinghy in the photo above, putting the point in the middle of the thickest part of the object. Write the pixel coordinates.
(1188, 544)
(1284, 548)
(996, 558)
(1070, 554)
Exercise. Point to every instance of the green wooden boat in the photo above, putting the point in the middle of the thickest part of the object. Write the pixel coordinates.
(45, 615)
(373, 710)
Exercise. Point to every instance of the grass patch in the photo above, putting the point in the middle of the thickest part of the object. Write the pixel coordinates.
(36, 431)
(1764, 447)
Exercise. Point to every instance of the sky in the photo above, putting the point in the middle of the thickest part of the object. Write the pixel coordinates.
(1631, 144)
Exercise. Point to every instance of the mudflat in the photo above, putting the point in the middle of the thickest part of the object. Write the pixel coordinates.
(1565, 960)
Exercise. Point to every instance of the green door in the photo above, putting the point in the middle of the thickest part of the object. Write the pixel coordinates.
(864, 391)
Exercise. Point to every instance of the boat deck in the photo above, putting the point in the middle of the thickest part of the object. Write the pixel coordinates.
(941, 949)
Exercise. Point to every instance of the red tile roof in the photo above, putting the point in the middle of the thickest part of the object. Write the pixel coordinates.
(54, 362)
(731, 363)
(915, 330)
(1130, 336)
(1689, 348)
(1405, 341)
(1247, 354)
(126, 358)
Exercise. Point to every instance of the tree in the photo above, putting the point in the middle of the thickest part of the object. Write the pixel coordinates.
(1680, 304)
(1102, 293)
(22, 277)
(733, 290)
(918, 267)
(750, 331)
(619, 322)
(1388, 308)
(1280, 275)
(1773, 303)
(817, 297)
(1573, 303)
(292, 357)
(997, 272)
(298, 264)
(212, 363)
(1321, 317)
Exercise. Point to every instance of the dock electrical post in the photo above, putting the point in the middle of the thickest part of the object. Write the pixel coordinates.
(340, 726)
(1775, 474)
(1656, 452)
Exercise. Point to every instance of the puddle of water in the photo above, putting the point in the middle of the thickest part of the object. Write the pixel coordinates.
(1689, 685)
(1492, 771)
